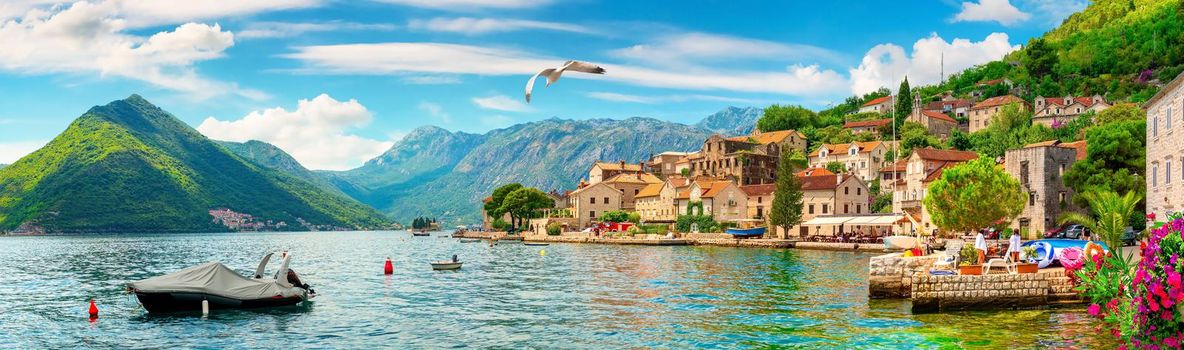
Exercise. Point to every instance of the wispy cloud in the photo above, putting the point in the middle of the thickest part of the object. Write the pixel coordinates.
(697, 47)
(435, 111)
(616, 97)
(402, 58)
(432, 80)
(501, 103)
(258, 30)
(1001, 11)
(469, 5)
(474, 26)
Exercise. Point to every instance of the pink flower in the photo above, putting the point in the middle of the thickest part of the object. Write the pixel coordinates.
(1150, 216)
(1095, 310)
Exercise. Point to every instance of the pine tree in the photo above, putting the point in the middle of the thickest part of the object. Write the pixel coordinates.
(787, 199)
(904, 103)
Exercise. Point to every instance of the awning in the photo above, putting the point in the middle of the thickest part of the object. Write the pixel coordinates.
(876, 220)
(828, 220)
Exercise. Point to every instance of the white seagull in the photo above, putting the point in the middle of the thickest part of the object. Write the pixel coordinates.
(553, 74)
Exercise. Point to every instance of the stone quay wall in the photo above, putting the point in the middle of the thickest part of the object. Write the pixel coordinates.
(891, 275)
(961, 292)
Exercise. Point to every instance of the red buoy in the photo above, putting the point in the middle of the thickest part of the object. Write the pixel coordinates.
(94, 310)
(388, 268)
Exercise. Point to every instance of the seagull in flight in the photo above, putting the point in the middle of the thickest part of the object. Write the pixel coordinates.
(553, 74)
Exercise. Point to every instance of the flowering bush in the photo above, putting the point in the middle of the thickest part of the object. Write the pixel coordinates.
(1157, 291)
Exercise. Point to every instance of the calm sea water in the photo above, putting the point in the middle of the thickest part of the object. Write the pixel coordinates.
(508, 296)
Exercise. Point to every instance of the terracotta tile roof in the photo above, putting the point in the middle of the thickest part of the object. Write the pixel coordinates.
(677, 181)
(765, 138)
(715, 189)
(641, 178)
(813, 172)
(899, 167)
(759, 190)
(617, 166)
(997, 101)
(866, 123)
(945, 154)
(989, 82)
(938, 115)
(877, 101)
(1079, 146)
(651, 190)
(1060, 101)
(820, 182)
(842, 148)
(954, 104)
(936, 173)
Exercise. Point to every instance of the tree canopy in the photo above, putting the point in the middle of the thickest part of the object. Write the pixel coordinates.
(1115, 160)
(904, 102)
(974, 195)
(787, 198)
(788, 117)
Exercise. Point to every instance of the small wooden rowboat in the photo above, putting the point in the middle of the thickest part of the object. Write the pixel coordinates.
(446, 265)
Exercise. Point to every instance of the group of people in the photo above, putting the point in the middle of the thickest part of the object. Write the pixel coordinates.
(1013, 247)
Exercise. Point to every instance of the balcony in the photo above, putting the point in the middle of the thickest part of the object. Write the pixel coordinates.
(912, 203)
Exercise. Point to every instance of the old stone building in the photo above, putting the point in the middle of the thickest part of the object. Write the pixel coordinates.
(723, 200)
(601, 171)
(656, 202)
(630, 186)
(1165, 149)
(862, 159)
(982, 112)
(879, 105)
(939, 124)
(828, 194)
(591, 201)
(924, 166)
(1040, 169)
(872, 126)
(666, 164)
(749, 160)
(1053, 110)
(760, 200)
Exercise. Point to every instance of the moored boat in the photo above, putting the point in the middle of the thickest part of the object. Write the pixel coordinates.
(446, 265)
(221, 287)
(536, 244)
(747, 232)
(421, 234)
(900, 242)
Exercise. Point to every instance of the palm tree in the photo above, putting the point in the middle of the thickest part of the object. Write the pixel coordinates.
(1112, 214)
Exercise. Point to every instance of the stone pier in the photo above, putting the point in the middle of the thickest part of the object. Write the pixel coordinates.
(890, 275)
(963, 292)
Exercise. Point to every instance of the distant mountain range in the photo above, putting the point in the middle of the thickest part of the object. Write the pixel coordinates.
(434, 172)
(129, 166)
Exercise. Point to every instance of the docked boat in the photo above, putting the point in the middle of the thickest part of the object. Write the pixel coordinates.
(446, 265)
(421, 234)
(900, 242)
(222, 287)
(532, 244)
(747, 232)
(470, 240)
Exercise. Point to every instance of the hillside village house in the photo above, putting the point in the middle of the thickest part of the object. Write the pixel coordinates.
(890, 174)
(860, 158)
(924, 166)
(950, 106)
(591, 201)
(749, 160)
(879, 105)
(1061, 109)
(723, 200)
(828, 194)
(630, 185)
(666, 164)
(872, 126)
(601, 171)
(982, 112)
(937, 123)
(656, 202)
(1165, 149)
(1040, 169)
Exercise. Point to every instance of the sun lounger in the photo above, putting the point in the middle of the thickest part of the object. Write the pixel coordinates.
(996, 262)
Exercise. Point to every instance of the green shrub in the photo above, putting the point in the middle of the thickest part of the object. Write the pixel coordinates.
(968, 254)
(500, 225)
(654, 228)
(634, 217)
(554, 228)
(706, 223)
(615, 216)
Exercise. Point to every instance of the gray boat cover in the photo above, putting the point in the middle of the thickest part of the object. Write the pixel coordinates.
(217, 279)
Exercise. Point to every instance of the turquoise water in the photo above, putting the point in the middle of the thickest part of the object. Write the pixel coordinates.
(508, 296)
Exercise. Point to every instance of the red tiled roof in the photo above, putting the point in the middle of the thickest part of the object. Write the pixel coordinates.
(618, 166)
(867, 123)
(715, 189)
(821, 182)
(938, 115)
(765, 138)
(899, 167)
(945, 154)
(759, 190)
(813, 172)
(989, 82)
(1079, 146)
(842, 148)
(997, 101)
(1060, 101)
(877, 101)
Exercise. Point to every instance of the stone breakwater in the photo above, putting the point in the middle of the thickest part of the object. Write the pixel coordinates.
(895, 276)
(890, 275)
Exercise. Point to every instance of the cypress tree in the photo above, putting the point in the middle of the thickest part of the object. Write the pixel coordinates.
(787, 199)
(904, 103)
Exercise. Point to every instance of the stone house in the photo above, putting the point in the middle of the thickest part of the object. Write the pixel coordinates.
(591, 201)
(872, 126)
(1040, 169)
(630, 185)
(950, 106)
(723, 200)
(862, 159)
(760, 200)
(923, 167)
(749, 160)
(879, 105)
(828, 194)
(890, 174)
(1165, 149)
(937, 123)
(656, 202)
(982, 112)
(601, 171)
(1061, 109)
(665, 164)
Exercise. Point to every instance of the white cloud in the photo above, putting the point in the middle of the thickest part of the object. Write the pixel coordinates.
(886, 64)
(1053, 12)
(431, 80)
(316, 133)
(436, 111)
(469, 25)
(991, 10)
(258, 30)
(91, 38)
(617, 97)
(10, 152)
(468, 5)
(437, 58)
(144, 13)
(692, 47)
(501, 103)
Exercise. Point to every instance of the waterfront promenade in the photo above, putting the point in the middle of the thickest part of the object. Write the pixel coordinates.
(706, 239)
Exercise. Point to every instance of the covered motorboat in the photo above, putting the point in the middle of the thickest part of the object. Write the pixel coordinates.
(222, 287)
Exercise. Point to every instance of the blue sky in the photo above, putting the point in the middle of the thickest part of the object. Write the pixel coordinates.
(336, 82)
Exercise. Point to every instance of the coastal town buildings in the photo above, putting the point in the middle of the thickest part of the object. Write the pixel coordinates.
(723, 200)
(760, 200)
(890, 174)
(601, 171)
(828, 194)
(1053, 110)
(656, 202)
(591, 201)
(1040, 169)
(937, 123)
(982, 112)
(1165, 149)
(872, 126)
(950, 106)
(922, 167)
(666, 164)
(749, 160)
(630, 185)
(862, 159)
(879, 105)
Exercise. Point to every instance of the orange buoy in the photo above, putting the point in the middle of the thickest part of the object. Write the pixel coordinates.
(93, 310)
(388, 268)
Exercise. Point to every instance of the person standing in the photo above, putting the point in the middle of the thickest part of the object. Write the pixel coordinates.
(1013, 246)
(980, 243)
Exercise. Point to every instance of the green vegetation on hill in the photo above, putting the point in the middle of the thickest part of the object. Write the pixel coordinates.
(3, 165)
(132, 167)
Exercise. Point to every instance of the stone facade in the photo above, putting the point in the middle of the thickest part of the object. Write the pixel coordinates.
(723, 200)
(872, 126)
(860, 158)
(1050, 110)
(760, 200)
(630, 185)
(961, 292)
(601, 171)
(890, 275)
(1165, 149)
(879, 105)
(827, 194)
(939, 124)
(922, 167)
(1040, 169)
(665, 164)
(590, 202)
(982, 112)
(749, 160)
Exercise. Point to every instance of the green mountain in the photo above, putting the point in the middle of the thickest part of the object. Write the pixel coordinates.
(269, 156)
(437, 173)
(3, 165)
(131, 167)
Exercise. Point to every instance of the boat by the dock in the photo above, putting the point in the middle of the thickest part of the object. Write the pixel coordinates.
(747, 232)
(421, 234)
(470, 240)
(221, 287)
(533, 244)
(900, 242)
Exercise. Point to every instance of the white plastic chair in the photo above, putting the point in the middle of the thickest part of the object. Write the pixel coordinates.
(1005, 261)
